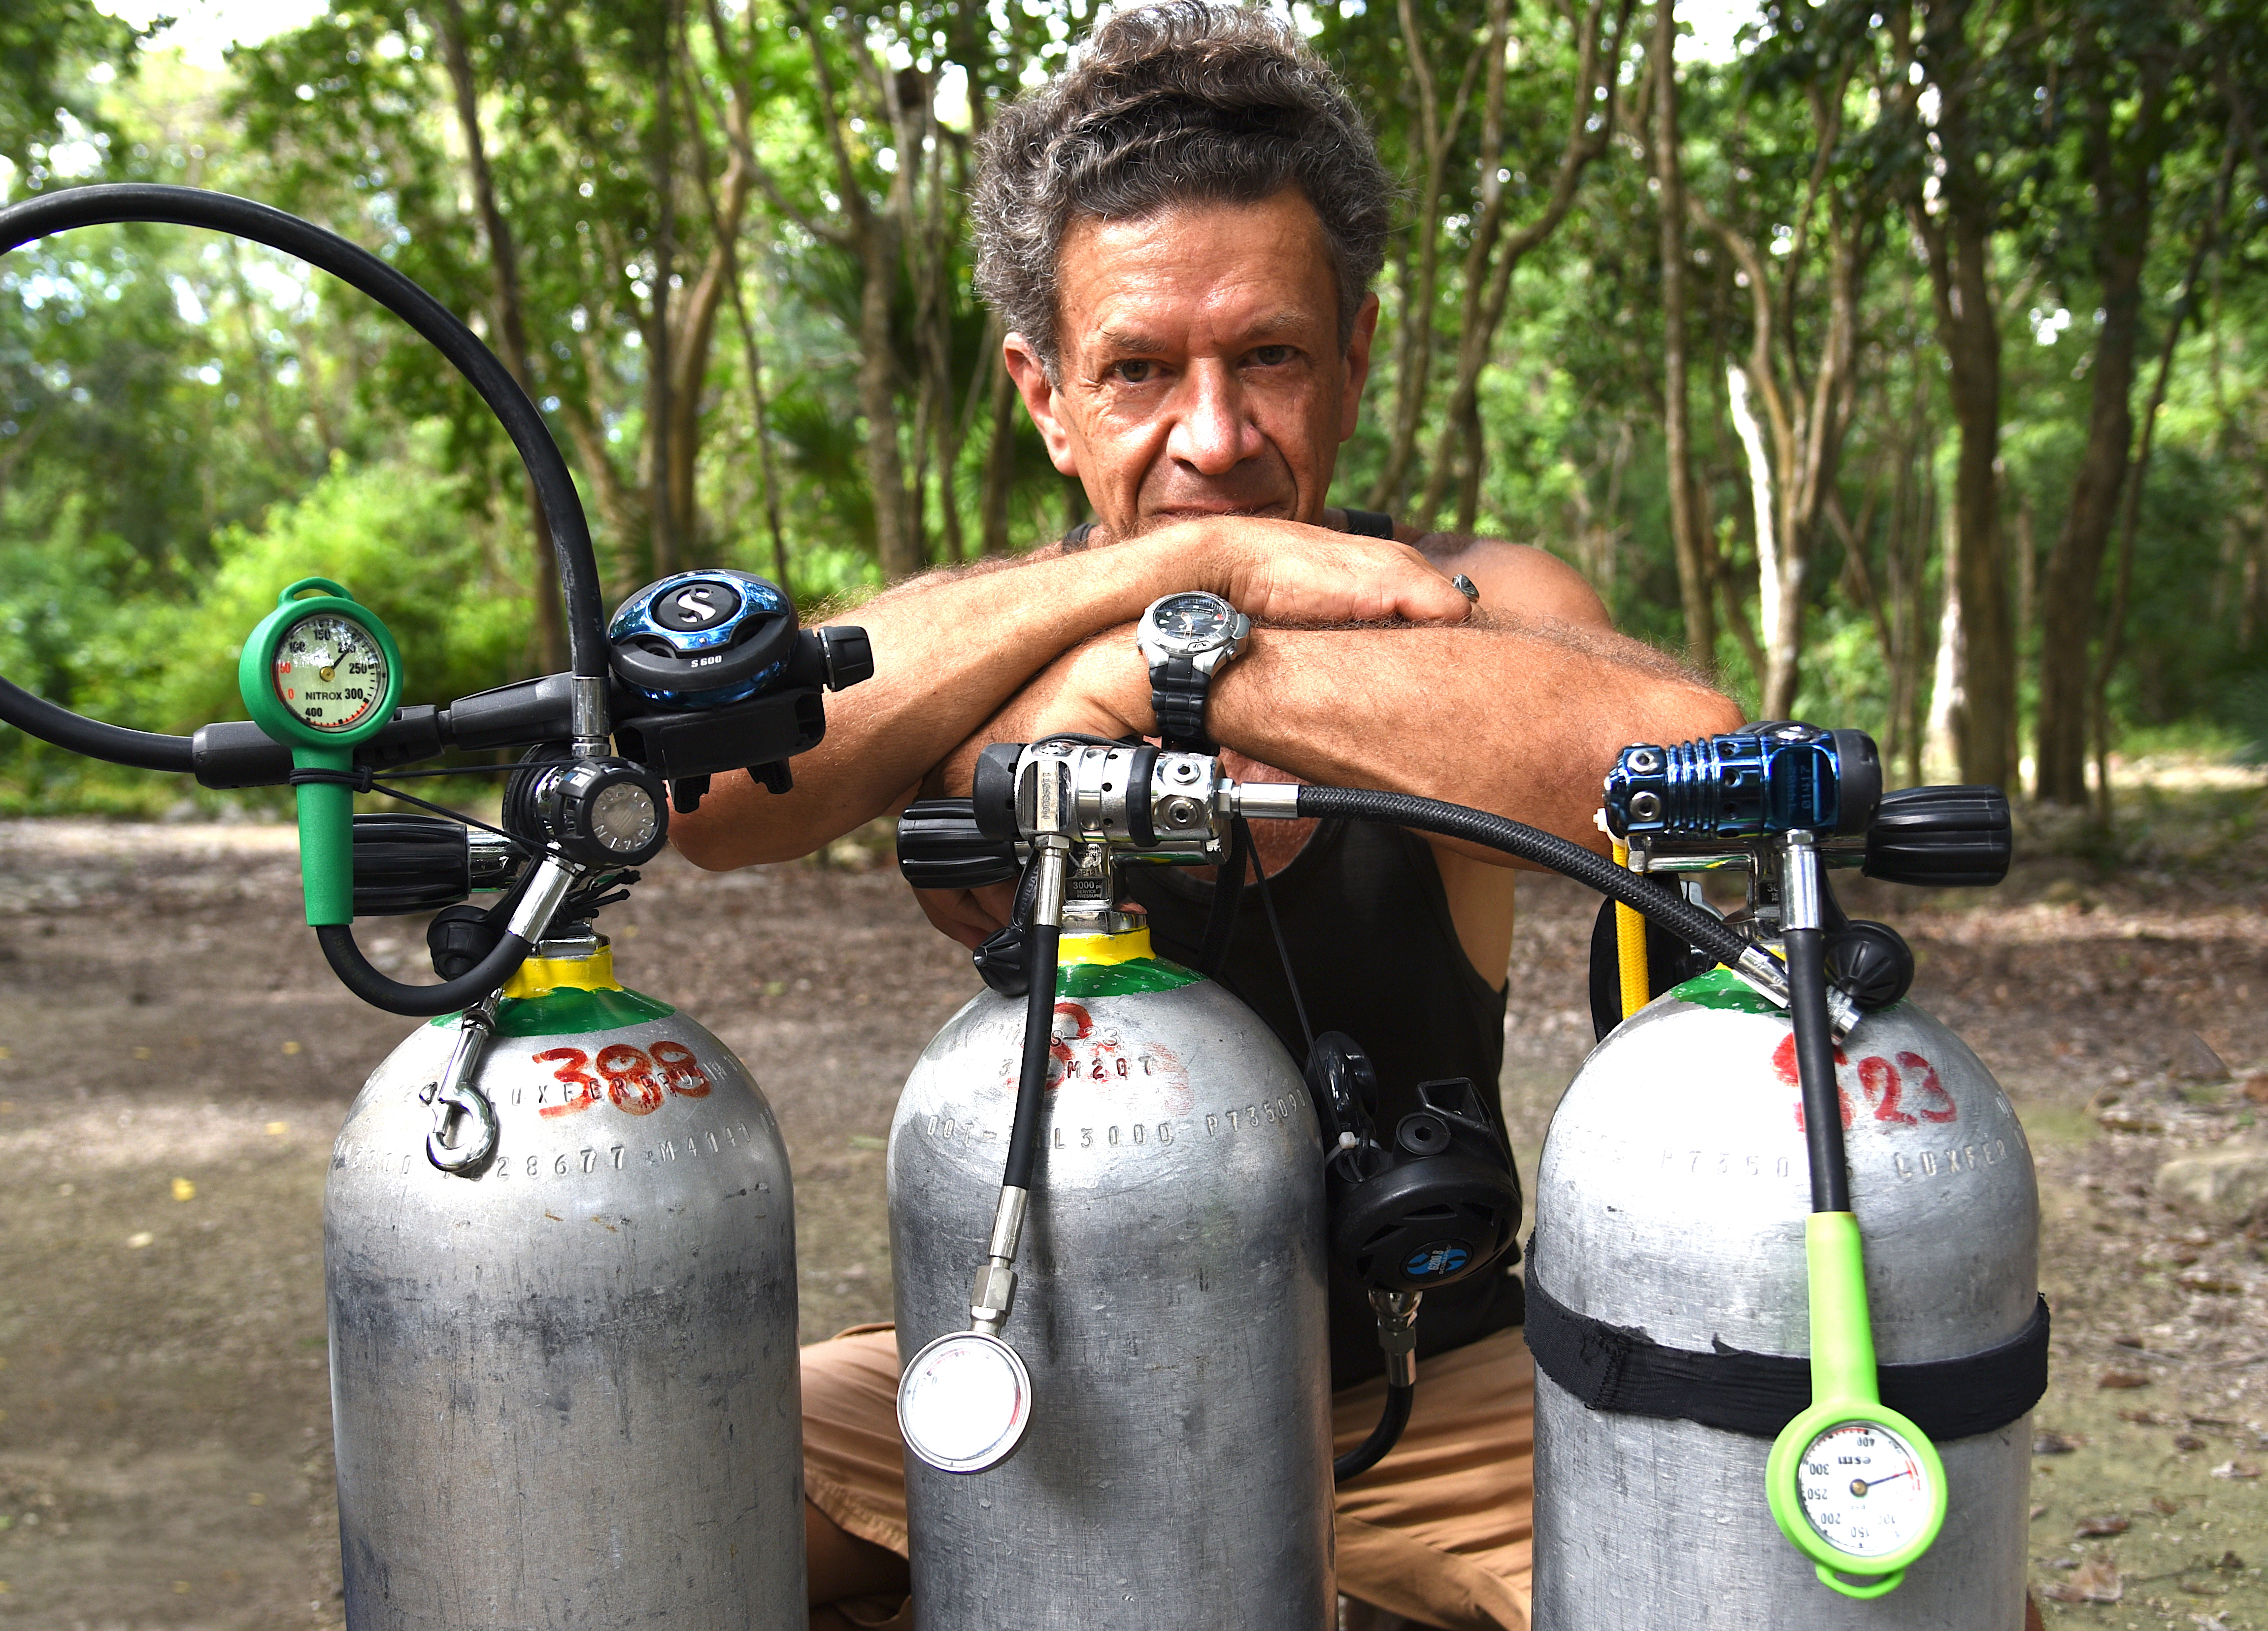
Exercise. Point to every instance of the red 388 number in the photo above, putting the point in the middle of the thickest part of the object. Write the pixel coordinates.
(634, 1080)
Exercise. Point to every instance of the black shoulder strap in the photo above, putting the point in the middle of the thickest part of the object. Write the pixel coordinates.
(1626, 1372)
(1075, 537)
(1369, 523)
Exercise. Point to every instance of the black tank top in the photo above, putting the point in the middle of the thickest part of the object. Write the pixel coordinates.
(1377, 957)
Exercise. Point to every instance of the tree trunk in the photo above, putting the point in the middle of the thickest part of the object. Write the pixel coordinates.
(895, 545)
(1488, 288)
(2114, 629)
(511, 327)
(660, 366)
(2122, 186)
(1779, 585)
(1414, 343)
(1980, 699)
(1676, 419)
(1000, 453)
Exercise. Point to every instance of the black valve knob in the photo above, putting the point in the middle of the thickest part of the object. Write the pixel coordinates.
(1941, 838)
(409, 863)
(846, 656)
(940, 847)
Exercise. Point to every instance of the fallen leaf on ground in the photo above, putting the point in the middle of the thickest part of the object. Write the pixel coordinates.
(2164, 1507)
(2229, 1560)
(2208, 1280)
(2109, 1523)
(2143, 1418)
(2236, 1469)
(2096, 1580)
(2122, 1378)
(2039, 1513)
(2048, 1443)
(2189, 1440)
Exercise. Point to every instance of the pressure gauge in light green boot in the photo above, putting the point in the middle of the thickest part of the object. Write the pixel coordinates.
(1854, 1485)
(320, 675)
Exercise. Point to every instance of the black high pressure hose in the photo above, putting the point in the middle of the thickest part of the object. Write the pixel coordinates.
(141, 750)
(393, 996)
(1454, 821)
(111, 204)
(555, 490)
(1043, 944)
(1383, 1437)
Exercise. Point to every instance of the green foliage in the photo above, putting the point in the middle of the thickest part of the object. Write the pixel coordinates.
(186, 424)
(79, 625)
(395, 535)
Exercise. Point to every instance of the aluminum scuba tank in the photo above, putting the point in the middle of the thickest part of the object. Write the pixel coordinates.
(1177, 1467)
(564, 1382)
(1671, 1311)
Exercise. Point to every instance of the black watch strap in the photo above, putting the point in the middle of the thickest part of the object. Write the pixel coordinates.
(1177, 694)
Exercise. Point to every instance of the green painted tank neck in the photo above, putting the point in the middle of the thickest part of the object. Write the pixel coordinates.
(565, 1010)
(1116, 965)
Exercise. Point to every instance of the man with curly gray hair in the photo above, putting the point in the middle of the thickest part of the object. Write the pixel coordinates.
(1179, 234)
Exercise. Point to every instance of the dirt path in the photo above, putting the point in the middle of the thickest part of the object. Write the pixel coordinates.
(174, 1060)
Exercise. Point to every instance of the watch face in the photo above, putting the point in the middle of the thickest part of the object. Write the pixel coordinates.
(1193, 617)
(1864, 1490)
(330, 672)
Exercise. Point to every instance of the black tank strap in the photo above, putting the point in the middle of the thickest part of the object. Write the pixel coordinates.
(1626, 1372)
(1369, 523)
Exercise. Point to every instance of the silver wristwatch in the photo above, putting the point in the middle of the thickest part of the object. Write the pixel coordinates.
(1186, 639)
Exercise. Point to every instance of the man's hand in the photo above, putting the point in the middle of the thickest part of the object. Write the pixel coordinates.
(1284, 573)
(970, 916)
(951, 649)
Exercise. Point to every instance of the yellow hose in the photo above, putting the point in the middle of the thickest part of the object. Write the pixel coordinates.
(1630, 947)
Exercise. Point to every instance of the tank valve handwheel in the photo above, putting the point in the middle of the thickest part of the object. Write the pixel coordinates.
(320, 675)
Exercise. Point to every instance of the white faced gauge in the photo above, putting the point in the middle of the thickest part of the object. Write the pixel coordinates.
(1864, 1490)
(329, 674)
(965, 1402)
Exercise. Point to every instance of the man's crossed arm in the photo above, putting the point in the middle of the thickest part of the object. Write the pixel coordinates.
(1517, 709)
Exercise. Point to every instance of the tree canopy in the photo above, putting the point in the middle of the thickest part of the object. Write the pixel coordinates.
(1906, 369)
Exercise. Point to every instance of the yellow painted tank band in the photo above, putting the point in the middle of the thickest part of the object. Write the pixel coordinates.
(1106, 947)
(538, 975)
(1630, 947)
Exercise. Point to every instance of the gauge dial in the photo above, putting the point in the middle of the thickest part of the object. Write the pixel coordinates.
(964, 1402)
(1864, 1489)
(330, 672)
(1191, 616)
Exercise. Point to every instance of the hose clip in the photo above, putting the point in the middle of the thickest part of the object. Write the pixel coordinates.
(454, 1098)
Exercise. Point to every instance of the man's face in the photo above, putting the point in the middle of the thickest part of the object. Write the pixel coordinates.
(1200, 370)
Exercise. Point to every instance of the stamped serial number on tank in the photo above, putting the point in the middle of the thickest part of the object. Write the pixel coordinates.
(1098, 1058)
(722, 1140)
(1930, 1163)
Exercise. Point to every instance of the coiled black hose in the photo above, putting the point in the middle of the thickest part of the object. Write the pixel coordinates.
(381, 991)
(1382, 1437)
(142, 750)
(1454, 821)
(189, 206)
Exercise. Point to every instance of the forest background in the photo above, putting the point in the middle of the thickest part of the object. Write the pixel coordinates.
(1906, 364)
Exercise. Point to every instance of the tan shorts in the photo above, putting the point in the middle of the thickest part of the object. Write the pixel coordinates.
(1437, 1533)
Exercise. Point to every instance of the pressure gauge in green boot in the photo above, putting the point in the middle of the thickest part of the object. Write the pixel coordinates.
(320, 675)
